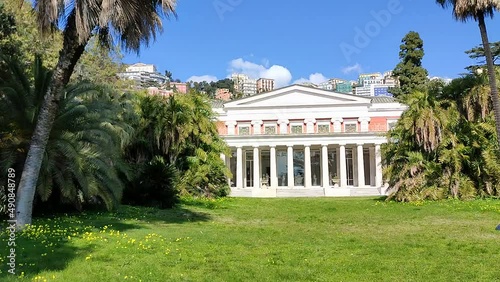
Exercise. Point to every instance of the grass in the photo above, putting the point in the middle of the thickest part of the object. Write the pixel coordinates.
(320, 239)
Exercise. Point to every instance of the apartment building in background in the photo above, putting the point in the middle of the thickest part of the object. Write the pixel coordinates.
(265, 85)
(143, 73)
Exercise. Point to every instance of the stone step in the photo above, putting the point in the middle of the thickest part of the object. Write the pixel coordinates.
(240, 192)
(365, 192)
(320, 192)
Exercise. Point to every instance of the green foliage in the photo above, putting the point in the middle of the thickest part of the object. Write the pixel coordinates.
(209, 88)
(155, 186)
(99, 65)
(181, 131)
(412, 76)
(27, 41)
(477, 53)
(83, 161)
(445, 145)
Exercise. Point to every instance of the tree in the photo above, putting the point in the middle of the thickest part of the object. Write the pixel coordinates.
(83, 160)
(478, 52)
(412, 76)
(27, 38)
(177, 136)
(133, 21)
(464, 10)
(98, 64)
(168, 74)
(444, 145)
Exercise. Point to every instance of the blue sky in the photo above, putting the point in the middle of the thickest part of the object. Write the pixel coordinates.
(319, 39)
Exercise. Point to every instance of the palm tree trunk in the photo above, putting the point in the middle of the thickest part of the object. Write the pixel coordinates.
(68, 56)
(491, 73)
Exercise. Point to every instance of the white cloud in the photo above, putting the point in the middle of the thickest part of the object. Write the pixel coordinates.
(207, 78)
(315, 78)
(281, 75)
(357, 68)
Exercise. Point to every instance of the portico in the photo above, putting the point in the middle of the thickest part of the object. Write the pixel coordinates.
(301, 141)
(341, 166)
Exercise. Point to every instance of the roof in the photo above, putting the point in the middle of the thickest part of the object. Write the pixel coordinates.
(217, 104)
(383, 99)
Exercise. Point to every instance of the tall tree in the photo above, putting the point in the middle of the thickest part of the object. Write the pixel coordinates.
(98, 64)
(28, 39)
(83, 157)
(477, 10)
(412, 76)
(133, 22)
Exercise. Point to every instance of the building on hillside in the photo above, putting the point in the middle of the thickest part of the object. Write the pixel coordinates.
(327, 85)
(374, 84)
(265, 85)
(179, 87)
(160, 92)
(309, 84)
(244, 84)
(223, 94)
(143, 74)
(344, 87)
(300, 141)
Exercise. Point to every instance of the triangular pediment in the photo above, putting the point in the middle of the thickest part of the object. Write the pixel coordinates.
(297, 95)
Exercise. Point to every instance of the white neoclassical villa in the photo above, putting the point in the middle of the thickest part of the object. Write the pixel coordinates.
(303, 141)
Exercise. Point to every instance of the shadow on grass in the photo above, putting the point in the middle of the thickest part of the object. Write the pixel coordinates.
(380, 199)
(48, 244)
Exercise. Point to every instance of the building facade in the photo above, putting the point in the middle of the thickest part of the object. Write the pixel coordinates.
(303, 141)
(223, 94)
(375, 84)
(179, 87)
(265, 85)
(244, 84)
(143, 73)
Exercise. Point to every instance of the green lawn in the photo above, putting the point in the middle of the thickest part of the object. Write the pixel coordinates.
(320, 239)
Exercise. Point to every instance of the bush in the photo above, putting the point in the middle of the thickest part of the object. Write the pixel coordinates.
(154, 185)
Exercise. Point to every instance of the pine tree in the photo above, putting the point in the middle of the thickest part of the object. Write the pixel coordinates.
(412, 76)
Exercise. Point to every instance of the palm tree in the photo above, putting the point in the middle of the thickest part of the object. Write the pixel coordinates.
(424, 120)
(464, 10)
(133, 22)
(83, 157)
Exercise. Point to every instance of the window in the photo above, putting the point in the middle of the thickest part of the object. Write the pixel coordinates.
(270, 129)
(244, 130)
(296, 129)
(323, 128)
(350, 127)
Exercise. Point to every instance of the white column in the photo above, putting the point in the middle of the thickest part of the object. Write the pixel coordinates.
(290, 166)
(256, 167)
(361, 166)
(324, 166)
(372, 165)
(274, 178)
(337, 160)
(228, 164)
(378, 166)
(343, 168)
(239, 167)
(307, 166)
